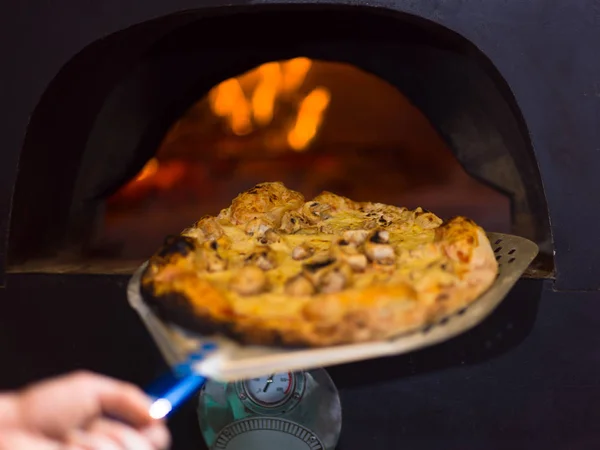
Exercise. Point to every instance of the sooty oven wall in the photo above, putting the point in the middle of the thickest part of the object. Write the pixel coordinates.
(511, 383)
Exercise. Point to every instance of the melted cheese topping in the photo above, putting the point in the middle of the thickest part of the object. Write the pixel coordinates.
(346, 248)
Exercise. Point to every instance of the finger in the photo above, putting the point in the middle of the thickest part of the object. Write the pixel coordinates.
(127, 403)
(56, 406)
(90, 440)
(158, 435)
(18, 440)
(127, 437)
(116, 398)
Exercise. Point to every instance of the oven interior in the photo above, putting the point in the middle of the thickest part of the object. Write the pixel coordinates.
(408, 113)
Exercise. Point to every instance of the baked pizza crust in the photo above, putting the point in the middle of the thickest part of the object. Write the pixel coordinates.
(273, 269)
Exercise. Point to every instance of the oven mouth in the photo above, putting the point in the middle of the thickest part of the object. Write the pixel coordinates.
(313, 125)
(415, 112)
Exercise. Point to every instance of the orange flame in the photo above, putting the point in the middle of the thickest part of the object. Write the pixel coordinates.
(265, 87)
(294, 73)
(265, 94)
(309, 119)
(228, 100)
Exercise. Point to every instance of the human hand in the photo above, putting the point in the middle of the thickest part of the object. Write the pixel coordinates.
(73, 412)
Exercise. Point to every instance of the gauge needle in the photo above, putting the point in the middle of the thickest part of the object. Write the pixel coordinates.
(269, 381)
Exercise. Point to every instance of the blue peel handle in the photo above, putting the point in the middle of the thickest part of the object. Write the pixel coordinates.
(171, 391)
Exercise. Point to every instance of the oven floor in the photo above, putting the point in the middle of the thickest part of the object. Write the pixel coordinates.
(528, 377)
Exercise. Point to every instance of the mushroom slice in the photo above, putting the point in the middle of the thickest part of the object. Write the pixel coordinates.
(357, 262)
(209, 258)
(314, 212)
(302, 251)
(356, 237)
(328, 275)
(257, 227)
(380, 237)
(263, 258)
(348, 252)
(292, 221)
(377, 248)
(270, 237)
(299, 285)
(249, 280)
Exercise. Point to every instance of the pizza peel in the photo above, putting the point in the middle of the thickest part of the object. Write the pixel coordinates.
(223, 359)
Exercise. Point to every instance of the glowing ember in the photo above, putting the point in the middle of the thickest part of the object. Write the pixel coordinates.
(148, 170)
(155, 176)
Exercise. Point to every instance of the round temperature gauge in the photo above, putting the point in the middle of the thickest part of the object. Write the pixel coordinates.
(274, 393)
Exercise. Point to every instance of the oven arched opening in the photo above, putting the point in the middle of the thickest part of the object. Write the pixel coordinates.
(99, 140)
(314, 125)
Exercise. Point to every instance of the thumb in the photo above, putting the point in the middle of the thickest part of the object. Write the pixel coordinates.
(119, 400)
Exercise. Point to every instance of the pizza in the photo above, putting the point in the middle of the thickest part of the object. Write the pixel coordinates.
(275, 269)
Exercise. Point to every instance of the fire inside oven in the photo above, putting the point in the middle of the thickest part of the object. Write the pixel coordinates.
(312, 124)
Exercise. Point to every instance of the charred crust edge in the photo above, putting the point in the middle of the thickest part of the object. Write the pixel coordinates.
(176, 245)
(174, 307)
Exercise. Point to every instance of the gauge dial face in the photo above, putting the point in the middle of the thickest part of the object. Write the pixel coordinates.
(270, 390)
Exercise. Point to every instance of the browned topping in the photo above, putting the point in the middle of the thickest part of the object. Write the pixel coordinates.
(299, 285)
(212, 261)
(349, 253)
(210, 227)
(270, 237)
(302, 252)
(335, 279)
(380, 237)
(358, 262)
(264, 258)
(328, 275)
(314, 212)
(335, 202)
(356, 237)
(249, 280)
(427, 220)
(292, 222)
(269, 200)
(383, 222)
(331, 282)
(257, 227)
(380, 253)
